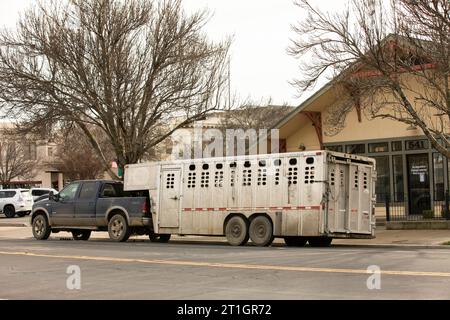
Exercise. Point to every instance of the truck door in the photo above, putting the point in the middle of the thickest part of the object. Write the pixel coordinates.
(169, 208)
(85, 204)
(62, 211)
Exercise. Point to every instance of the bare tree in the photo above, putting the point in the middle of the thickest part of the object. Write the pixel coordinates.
(15, 160)
(126, 67)
(76, 158)
(392, 61)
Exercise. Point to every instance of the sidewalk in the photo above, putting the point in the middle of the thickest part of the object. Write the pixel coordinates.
(384, 238)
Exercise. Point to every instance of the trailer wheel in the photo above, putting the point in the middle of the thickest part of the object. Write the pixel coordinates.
(236, 231)
(295, 241)
(162, 238)
(81, 234)
(261, 231)
(118, 228)
(320, 241)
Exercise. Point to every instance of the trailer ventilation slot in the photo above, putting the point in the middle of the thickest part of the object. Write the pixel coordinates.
(170, 181)
(191, 180)
(218, 179)
(205, 180)
(247, 178)
(309, 175)
(277, 177)
(262, 177)
(365, 181)
(292, 175)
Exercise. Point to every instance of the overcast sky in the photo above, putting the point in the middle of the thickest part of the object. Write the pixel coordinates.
(260, 66)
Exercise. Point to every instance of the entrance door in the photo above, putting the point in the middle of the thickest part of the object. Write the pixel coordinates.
(418, 183)
(169, 208)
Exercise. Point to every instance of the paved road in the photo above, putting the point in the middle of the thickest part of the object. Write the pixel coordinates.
(183, 269)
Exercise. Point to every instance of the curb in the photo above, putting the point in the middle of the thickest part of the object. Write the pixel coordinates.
(395, 246)
(13, 225)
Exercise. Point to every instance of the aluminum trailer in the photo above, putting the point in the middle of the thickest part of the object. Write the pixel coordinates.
(312, 196)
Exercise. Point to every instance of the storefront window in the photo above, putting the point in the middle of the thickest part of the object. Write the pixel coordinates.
(382, 187)
(416, 144)
(438, 173)
(378, 147)
(355, 148)
(397, 165)
(334, 148)
(397, 146)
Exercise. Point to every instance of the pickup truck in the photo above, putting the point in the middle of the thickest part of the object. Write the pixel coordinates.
(94, 205)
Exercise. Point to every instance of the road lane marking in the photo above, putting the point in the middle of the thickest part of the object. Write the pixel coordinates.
(227, 265)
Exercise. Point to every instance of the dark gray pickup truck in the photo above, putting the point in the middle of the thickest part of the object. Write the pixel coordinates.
(94, 205)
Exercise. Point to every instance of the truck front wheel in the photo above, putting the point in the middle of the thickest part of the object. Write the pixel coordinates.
(41, 227)
(236, 231)
(118, 228)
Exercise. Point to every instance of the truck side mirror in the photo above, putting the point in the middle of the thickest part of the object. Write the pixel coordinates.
(53, 197)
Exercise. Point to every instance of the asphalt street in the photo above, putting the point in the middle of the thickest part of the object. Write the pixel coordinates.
(192, 269)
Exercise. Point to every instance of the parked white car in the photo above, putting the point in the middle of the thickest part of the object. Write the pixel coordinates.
(39, 192)
(15, 201)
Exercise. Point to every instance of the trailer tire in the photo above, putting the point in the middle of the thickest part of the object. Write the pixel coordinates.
(81, 234)
(320, 241)
(162, 238)
(118, 228)
(295, 241)
(41, 227)
(261, 231)
(236, 231)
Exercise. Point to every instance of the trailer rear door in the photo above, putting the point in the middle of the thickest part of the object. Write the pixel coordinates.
(350, 197)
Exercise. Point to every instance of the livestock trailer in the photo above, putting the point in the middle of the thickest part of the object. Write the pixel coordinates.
(312, 196)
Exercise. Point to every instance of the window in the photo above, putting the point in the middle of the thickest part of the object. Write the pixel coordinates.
(309, 175)
(7, 194)
(382, 187)
(397, 145)
(397, 164)
(262, 177)
(438, 171)
(69, 192)
(277, 162)
(191, 179)
(416, 144)
(355, 148)
(88, 190)
(112, 190)
(378, 147)
(30, 151)
(218, 179)
(204, 183)
(50, 151)
(334, 148)
(170, 180)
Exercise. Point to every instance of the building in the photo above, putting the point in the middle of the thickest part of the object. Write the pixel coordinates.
(411, 174)
(43, 155)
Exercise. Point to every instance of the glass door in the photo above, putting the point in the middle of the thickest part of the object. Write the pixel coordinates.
(418, 183)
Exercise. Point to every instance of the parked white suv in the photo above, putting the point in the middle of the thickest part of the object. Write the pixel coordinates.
(39, 192)
(15, 201)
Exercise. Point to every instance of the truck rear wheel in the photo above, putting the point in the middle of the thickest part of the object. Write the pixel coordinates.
(163, 238)
(295, 241)
(118, 228)
(320, 241)
(261, 231)
(236, 231)
(81, 234)
(41, 227)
